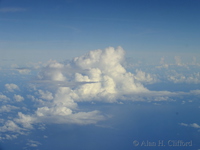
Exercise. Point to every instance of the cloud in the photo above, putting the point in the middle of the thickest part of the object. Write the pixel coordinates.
(19, 125)
(182, 77)
(53, 71)
(65, 116)
(25, 120)
(23, 70)
(195, 92)
(184, 124)
(45, 95)
(179, 72)
(53, 111)
(11, 87)
(3, 97)
(192, 78)
(18, 98)
(7, 108)
(33, 143)
(12, 9)
(9, 137)
(144, 77)
(62, 109)
(103, 67)
(193, 125)
(11, 127)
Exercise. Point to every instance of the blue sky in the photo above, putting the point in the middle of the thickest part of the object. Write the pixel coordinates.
(91, 74)
(31, 29)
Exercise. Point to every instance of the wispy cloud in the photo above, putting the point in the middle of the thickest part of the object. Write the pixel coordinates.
(12, 9)
(193, 125)
(32, 143)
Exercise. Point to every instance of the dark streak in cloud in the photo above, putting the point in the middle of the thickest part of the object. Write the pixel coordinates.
(59, 83)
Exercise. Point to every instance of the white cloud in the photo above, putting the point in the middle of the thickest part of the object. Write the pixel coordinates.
(65, 116)
(10, 126)
(37, 101)
(181, 78)
(184, 124)
(9, 137)
(61, 110)
(7, 108)
(20, 125)
(52, 71)
(103, 67)
(196, 92)
(23, 70)
(85, 117)
(11, 87)
(33, 143)
(64, 97)
(25, 120)
(18, 98)
(193, 125)
(3, 97)
(53, 111)
(179, 72)
(145, 77)
(45, 95)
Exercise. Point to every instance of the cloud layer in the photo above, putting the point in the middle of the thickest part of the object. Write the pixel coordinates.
(54, 96)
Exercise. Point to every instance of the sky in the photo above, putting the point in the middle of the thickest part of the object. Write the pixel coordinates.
(99, 75)
(64, 28)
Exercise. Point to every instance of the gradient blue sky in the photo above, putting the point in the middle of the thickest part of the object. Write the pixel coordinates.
(35, 30)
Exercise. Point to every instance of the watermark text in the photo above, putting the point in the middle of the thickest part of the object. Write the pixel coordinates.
(161, 143)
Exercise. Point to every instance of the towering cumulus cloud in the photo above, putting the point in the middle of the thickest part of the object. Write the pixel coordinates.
(106, 78)
(105, 68)
(96, 76)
